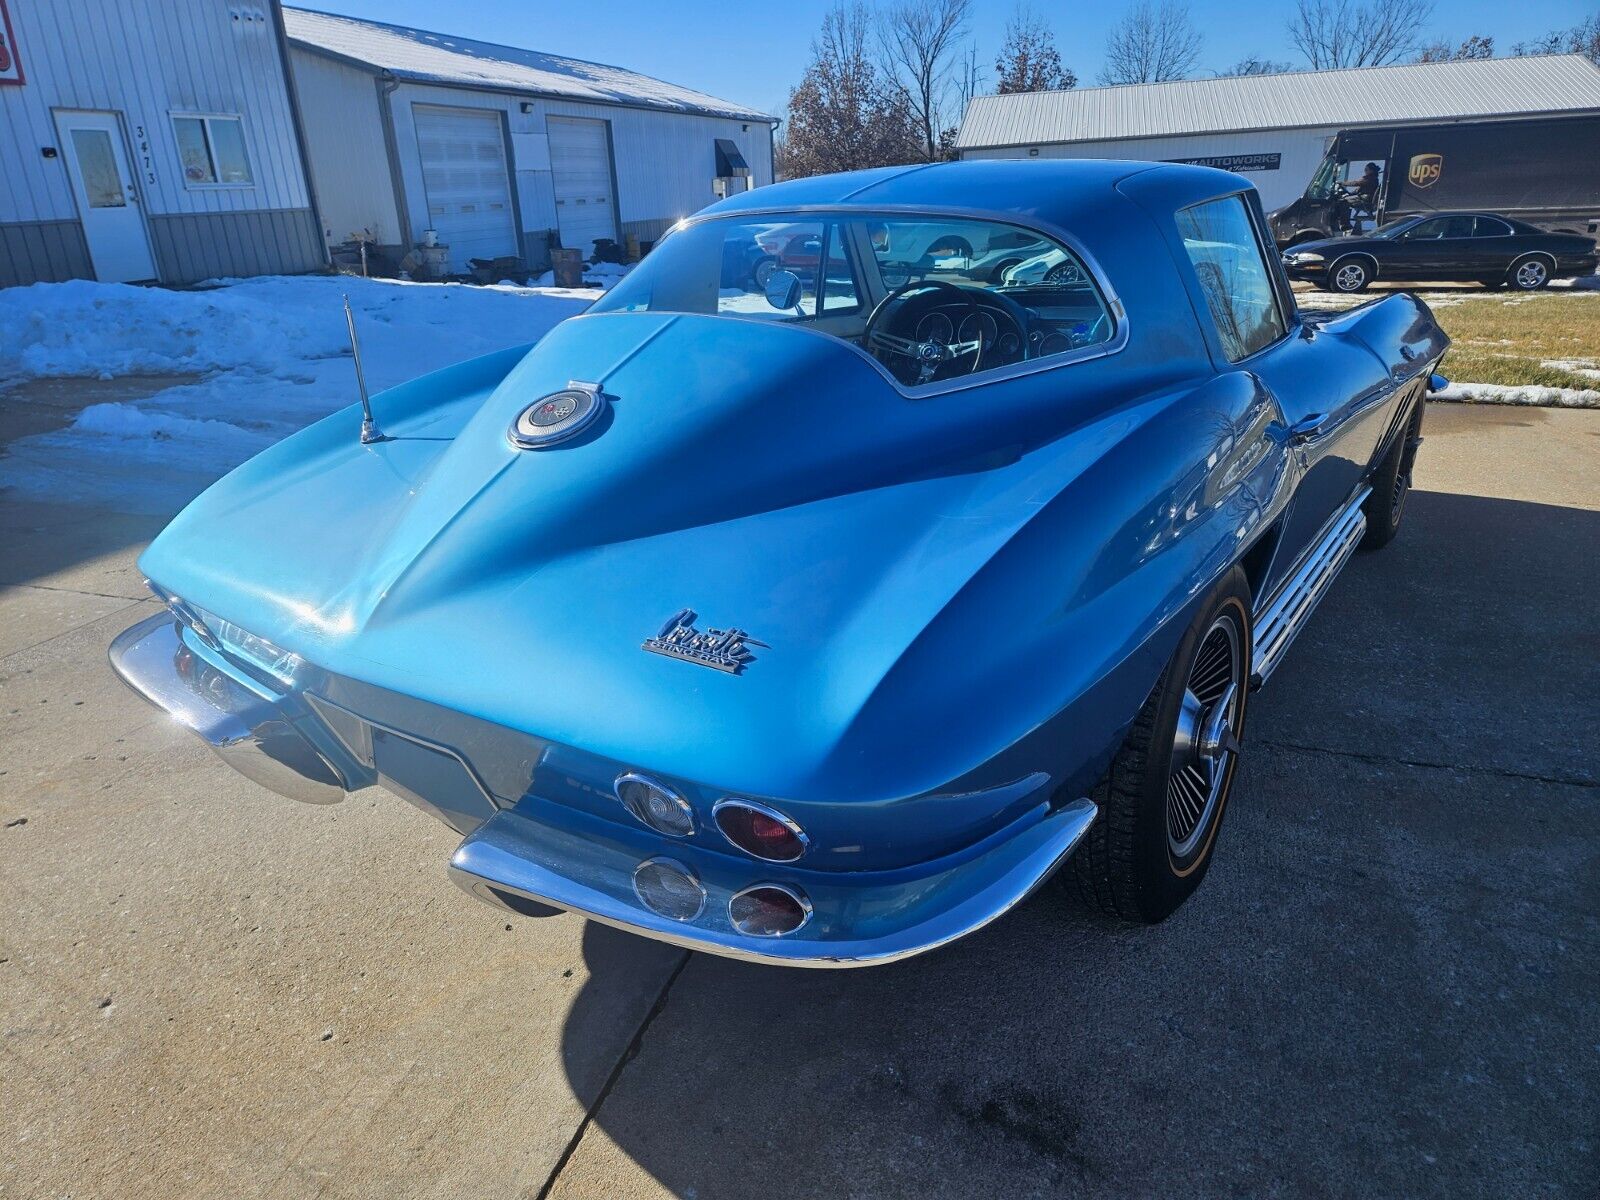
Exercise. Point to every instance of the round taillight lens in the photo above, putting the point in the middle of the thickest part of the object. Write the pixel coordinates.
(768, 910)
(662, 808)
(760, 831)
(669, 889)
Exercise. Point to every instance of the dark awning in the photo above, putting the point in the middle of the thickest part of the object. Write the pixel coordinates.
(729, 160)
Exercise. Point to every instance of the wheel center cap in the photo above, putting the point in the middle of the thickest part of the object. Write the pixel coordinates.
(1216, 730)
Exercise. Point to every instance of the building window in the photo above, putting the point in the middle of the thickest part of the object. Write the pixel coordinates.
(211, 150)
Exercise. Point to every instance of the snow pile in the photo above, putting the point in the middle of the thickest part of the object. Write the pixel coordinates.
(1533, 396)
(274, 353)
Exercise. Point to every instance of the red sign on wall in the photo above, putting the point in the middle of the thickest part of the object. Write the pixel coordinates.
(10, 61)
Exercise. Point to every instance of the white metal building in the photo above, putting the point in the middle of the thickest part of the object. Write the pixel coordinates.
(149, 140)
(500, 150)
(1273, 128)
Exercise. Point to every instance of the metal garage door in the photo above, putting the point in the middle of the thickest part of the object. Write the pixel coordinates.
(464, 174)
(580, 164)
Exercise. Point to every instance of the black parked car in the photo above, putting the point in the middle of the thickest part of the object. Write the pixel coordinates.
(1495, 251)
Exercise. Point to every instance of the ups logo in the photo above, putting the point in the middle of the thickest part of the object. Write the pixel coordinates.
(1425, 170)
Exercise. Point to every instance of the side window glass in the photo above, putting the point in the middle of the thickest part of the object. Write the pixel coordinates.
(753, 253)
(1426, 231)
(1489, 227)
(1458, 227)
(1221, 243)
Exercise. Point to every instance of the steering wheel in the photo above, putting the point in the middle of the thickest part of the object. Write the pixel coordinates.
(928, 356)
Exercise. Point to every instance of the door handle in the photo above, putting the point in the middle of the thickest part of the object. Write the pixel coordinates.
(1308, 429)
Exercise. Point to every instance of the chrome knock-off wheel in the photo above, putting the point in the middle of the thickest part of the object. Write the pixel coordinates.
(1205, 742)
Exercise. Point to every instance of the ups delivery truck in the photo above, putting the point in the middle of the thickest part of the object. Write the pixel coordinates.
(1543, 171)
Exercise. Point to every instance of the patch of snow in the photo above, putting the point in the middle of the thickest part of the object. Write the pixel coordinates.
(1531, 396)
(1576, 366)
(604, 275)
(275, 355)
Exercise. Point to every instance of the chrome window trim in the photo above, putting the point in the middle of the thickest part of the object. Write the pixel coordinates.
(683, 869)
(1113, 303)
(665, 788)
(794, 894)
(766, 811)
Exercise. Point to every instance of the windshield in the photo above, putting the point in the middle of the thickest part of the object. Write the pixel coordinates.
(1321, 185)
(931, 297)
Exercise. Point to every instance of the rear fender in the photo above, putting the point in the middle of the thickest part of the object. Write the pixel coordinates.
(1043, 659)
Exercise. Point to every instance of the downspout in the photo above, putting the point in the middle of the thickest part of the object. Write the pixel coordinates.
(281, 33)
(387, 86)
(772, 156)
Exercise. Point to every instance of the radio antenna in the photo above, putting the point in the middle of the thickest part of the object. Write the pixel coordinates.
(369, 429)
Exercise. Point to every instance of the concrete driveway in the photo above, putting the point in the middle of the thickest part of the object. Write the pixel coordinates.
(1386, 987)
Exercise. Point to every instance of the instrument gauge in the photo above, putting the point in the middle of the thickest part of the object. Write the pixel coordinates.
(936, 327)
(980, 327)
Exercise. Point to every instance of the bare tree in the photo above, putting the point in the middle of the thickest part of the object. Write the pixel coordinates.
(844, 115)
(1251, 65)
(1152, 43)
(1475, 46)
(1583, 38)
(920, 43)
(1357, 33)
(1029, 60)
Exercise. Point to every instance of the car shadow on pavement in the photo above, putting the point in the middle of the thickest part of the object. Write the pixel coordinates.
(1384, 987)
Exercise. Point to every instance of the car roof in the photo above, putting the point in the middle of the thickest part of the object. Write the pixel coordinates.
(1052, 190)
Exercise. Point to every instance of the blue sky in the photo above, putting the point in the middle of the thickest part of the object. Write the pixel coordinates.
(752, 51)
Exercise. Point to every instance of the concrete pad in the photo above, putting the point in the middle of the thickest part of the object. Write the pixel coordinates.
(1541, 455)
(30, 615)
(1468, 640)
(74, 548)
(216, 992)
(61, 703)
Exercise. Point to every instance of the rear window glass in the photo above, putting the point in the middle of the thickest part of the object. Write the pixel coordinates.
(932, 298)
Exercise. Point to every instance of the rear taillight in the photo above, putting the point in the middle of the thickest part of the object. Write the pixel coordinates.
(760, 831)
(768, 910)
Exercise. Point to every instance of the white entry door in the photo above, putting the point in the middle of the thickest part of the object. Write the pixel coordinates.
(464, 174)
(580, 168)
(108, 202)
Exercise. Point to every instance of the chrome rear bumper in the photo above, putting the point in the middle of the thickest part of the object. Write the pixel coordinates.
(524, 852)
(856, 921)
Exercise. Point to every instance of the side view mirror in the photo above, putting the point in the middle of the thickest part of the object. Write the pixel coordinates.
(783, 290)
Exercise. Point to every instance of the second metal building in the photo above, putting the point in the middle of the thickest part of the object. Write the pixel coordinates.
(504, 151)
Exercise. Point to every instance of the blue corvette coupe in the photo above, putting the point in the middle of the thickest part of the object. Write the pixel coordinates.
(817, 619)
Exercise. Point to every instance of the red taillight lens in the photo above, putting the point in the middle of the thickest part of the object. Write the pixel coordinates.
(762, 832)
(768, 911)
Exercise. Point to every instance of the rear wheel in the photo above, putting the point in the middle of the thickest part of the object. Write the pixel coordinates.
(1349, 275)
(1529, 274)
(1163, 799)
(1392, 485)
